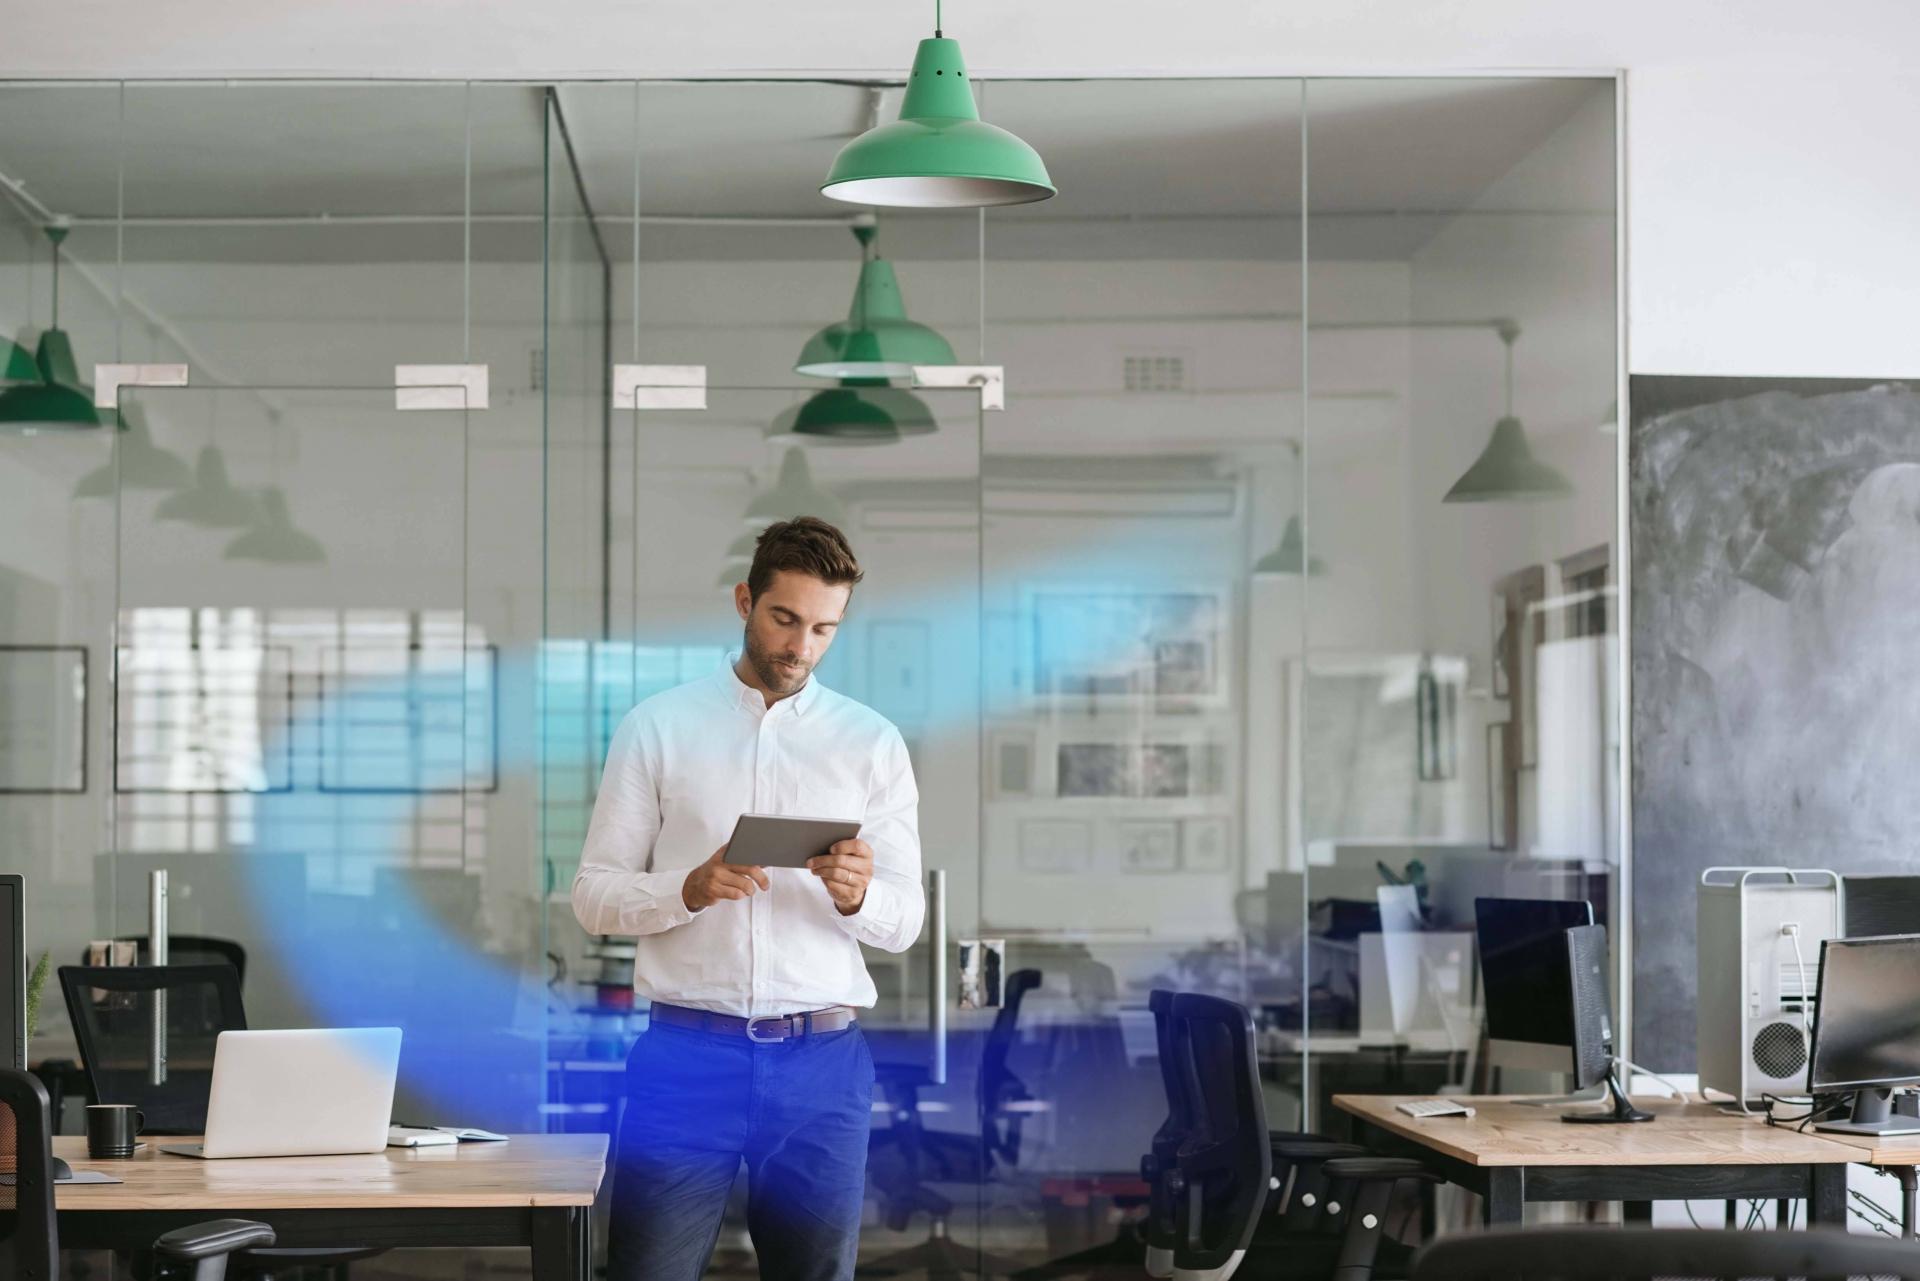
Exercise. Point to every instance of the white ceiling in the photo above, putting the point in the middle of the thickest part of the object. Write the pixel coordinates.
(1146, 168)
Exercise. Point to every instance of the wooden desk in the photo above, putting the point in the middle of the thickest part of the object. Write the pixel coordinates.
(1511, 1154)
(1895, 1154)
(534, 1190)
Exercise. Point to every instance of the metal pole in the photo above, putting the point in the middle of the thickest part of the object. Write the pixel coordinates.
(937, 982)
(157, 955)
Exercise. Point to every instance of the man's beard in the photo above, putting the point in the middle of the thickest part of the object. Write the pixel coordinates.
(778, 679)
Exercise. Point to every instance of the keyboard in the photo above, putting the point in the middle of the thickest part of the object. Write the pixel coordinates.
(1423, 1108)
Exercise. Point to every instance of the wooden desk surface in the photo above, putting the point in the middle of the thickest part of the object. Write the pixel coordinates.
(1881, 1149)
(526, 1170)
(1505, 1133)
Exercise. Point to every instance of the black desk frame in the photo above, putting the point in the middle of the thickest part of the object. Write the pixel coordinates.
(560, 1236)
(1505, 1189)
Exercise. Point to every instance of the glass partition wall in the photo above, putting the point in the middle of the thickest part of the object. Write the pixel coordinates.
(1269, 626)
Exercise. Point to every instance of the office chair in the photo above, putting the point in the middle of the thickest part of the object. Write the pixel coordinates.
(111, 1008)
(927, 1156)
(1291, 1205)
(29, 1230)
(191, 949)
(1634, 1254)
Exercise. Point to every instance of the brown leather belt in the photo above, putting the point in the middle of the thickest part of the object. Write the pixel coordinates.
(765, 1030)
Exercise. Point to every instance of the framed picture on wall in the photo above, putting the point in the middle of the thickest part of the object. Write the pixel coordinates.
(1052, 846)
(1204, 844)
(1010, 764)
(1097, 770)
(1163, 649)
(1148, 845)
(43, 719)
(1499, 682)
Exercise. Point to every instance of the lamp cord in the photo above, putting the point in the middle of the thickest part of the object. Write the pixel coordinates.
(936, 19)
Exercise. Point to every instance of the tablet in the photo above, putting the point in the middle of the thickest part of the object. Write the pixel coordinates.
(774, 840)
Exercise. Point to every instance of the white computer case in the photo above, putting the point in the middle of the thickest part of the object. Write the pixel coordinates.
(1756, 992)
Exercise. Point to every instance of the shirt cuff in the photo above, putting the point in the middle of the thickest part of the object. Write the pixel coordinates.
(675, 910)
(876, 914)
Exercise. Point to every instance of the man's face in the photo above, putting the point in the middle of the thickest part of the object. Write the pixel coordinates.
(790, 627)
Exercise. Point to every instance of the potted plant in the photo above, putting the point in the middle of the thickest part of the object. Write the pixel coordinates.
(9, 1135)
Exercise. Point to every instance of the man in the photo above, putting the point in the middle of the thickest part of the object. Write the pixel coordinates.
(753, 973)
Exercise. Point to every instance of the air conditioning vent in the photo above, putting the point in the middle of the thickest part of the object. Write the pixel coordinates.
(1161, 373)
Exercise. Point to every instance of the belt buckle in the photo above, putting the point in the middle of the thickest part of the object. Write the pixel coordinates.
(756, 1038)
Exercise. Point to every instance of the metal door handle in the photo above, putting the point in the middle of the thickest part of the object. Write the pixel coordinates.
(937, 978)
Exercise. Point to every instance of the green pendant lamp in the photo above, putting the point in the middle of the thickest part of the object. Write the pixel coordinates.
(56, 399)
(939, 154)
(861, 411)
(212, 501)
(1289, 559)
(1506, 470)
(876, 340)
(16, 362)
(273, 538)
(794, 494)
(142, 464)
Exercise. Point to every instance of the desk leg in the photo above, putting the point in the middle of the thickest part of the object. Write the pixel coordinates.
(562, 1237)
(1827, 1207)
(1500, 1205)
(1639, 1212)
(1908, 1181)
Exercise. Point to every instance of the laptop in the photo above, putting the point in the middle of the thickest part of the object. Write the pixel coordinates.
(300, 1092)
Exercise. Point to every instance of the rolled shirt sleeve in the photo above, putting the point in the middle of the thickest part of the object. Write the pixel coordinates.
(896, 904)
(616, 890)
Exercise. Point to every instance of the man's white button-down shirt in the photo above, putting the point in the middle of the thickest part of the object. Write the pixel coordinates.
(683, 766)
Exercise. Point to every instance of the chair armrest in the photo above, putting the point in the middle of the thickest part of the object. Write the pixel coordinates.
(198, 1241)
(1371, 1169)
(1312, 1149)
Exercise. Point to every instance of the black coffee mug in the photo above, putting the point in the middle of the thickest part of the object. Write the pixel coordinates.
(112, 1128)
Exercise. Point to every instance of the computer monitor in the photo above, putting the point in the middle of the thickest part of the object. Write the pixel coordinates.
(13, 970)
(1866, 1029)
(1523, 971)
(1590, 1004)
(1876, 905)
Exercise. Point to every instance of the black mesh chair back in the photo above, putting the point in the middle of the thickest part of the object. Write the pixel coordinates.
(1225, 1165)
(192, 949)
(999, 1127)
(112, 1008)
(1639, 1254)
(1161, 1228)
(29, 1240)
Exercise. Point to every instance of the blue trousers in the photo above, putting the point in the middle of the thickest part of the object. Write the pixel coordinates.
(798, 1112)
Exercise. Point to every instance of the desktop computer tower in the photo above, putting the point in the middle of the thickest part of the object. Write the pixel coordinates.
(1758, 936)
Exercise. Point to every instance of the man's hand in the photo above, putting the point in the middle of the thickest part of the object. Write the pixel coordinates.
(716, 879)
(846, 868)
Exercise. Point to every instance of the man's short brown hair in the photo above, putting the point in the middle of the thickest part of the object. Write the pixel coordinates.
(805, 545)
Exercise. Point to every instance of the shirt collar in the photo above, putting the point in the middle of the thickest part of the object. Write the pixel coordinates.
(756, 702)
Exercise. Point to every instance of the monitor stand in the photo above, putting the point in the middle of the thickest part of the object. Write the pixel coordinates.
(1622, 1110)
(1873, 1114)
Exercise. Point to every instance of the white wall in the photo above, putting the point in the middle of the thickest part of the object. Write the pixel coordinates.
(1769, 211)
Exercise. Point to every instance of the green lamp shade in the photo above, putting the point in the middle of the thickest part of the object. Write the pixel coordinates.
(743, 547)
(211, 502)
(876, 340)
(59, 401)
(1507, 471)
(794, 494)
(939, 154)
(142, 464)
(273, 537)
(17, 364)
(1289, 559)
